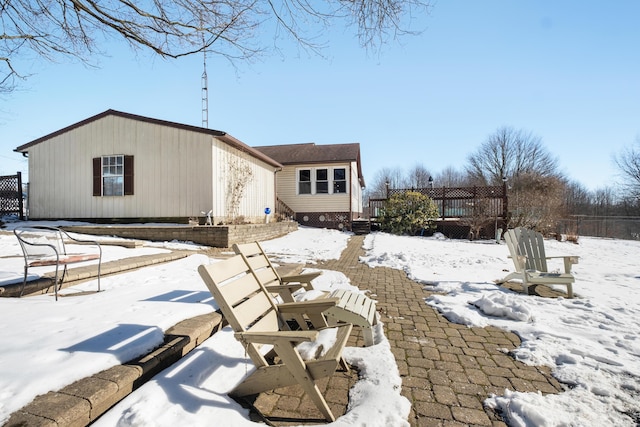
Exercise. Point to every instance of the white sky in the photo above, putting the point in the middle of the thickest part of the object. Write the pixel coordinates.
(566, 71)
(590, 342)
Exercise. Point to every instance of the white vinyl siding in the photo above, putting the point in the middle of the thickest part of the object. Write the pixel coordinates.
(258, 190)
(174, 174)
(356, 190)
(287, 190)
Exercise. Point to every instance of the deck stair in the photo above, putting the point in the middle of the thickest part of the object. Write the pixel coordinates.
(361, 226)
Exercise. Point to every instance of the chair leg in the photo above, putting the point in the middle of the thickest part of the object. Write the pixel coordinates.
(55, 282)
(24, 281)
(367, 334)
(291, 359)
(99, 262)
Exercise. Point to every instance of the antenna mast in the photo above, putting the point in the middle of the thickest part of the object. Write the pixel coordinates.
(205, 89)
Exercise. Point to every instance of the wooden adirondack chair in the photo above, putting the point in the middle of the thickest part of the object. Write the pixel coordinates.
(284, 286)
(259, 326)
(526, 248)
(352, 307)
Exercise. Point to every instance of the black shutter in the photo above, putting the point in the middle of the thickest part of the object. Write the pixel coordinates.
(97, 176)
(128, 175)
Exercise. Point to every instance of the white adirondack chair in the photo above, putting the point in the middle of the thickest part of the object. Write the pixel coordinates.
(526, 248)
(260, 327)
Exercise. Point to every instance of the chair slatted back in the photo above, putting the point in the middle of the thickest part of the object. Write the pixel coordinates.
(243, 301)
(259, 262)
(527, 243)
(531, 245)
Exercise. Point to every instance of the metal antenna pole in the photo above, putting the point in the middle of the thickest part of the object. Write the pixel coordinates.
(205, 89)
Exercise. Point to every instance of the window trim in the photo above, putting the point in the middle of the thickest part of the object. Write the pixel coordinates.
(128, 174)
(322, 181)
(299, 181)
(331, 182)
(345, 180)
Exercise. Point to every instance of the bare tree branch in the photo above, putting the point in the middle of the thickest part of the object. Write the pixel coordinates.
(56, 29)
(628, 163)
(508, 153)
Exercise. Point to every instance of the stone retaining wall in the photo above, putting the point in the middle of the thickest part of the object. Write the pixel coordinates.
(219, 236)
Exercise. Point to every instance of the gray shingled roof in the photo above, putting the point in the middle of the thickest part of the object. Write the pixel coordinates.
(311, 153)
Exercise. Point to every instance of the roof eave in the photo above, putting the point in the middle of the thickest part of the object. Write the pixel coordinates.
(25, 147)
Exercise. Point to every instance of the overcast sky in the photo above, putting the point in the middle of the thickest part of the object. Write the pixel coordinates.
(566, 71)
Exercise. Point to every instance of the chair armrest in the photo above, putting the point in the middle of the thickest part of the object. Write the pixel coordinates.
(24, 238)
(569, 260)
(292, 287)
(275, 336)
(573, 259)
(313, 309)
(70, 237)
(301, 278)
(316, 305)
(285, 291)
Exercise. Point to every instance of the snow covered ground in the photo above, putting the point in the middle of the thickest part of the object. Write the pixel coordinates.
(590, 342)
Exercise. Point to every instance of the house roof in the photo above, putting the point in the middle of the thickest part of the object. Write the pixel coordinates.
(300, 154)
(222, 136)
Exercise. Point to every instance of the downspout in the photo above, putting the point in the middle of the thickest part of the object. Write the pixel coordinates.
(350, 200)
(275, 190)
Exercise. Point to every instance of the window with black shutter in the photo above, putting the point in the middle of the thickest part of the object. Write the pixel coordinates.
(113, 175)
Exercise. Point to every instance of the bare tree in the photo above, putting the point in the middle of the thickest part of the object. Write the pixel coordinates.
(385, 178)
(62, 29)
(628, 163)
(508, 153)
(536, 202)
(417, 177)
(451, 177)
(577, 199)
(534, 182)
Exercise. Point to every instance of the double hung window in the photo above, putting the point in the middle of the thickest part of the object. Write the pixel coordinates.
(113, 175)
(304, 181)
(339, 180)
(322, 181)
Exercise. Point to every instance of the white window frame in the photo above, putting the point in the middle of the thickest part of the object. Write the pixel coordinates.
(334, 181)
(330, 180)
(113, 170)
(298, 181)
(325, 181)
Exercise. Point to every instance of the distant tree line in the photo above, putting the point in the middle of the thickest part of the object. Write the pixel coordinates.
(540, 196)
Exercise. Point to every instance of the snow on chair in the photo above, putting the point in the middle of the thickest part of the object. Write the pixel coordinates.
(352, 307)
(282, 357)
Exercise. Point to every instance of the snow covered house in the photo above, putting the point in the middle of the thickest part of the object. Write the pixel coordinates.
(120, 167)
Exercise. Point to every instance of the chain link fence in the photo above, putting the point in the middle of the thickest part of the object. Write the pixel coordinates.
(616, 227)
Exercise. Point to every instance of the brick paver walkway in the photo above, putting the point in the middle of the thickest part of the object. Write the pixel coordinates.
(447, 369)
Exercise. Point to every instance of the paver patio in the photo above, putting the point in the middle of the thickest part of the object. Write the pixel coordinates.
(447, 369)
